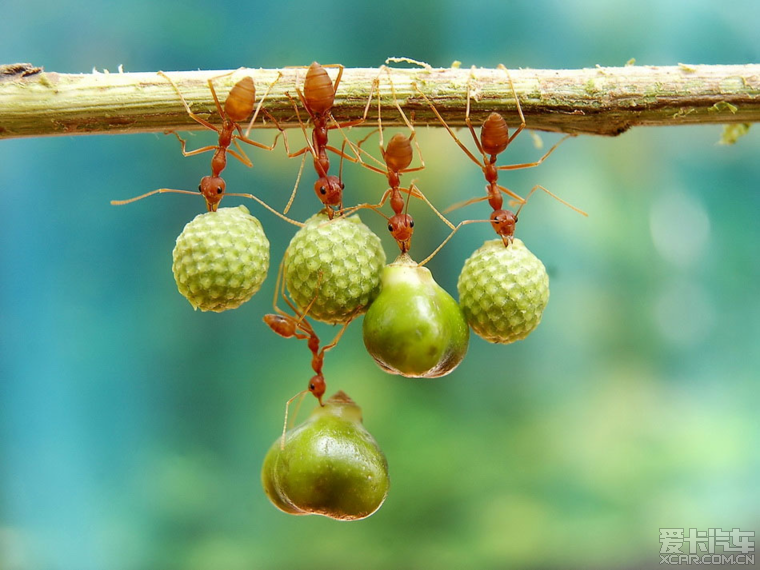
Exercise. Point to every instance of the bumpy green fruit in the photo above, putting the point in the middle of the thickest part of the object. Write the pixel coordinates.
(503, 291)
(330, 465)
(414, 327)
(338, 262)
(221, 259)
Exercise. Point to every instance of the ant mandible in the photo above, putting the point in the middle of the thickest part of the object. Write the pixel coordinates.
(289, 326)
(238, 106)
(494, 140)
(318, 98)
(397, 158)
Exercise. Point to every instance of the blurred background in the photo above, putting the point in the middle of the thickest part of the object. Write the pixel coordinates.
(132, 429)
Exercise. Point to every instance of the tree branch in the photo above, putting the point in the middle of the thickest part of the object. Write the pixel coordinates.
(601, 101)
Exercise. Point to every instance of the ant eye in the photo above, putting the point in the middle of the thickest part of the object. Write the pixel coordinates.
(411, 223)
(342, 186)
(323, 190)
(312, 386)
(199, 188)
(390, 227)
(219, 190)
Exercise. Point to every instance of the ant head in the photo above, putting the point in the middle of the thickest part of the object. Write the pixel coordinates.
(401, 227)
(317, 386)
(494, 135)
(329, 190)
(399, 153)
(503, 222)
(212, 188)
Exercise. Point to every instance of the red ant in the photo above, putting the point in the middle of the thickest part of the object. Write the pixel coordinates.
(237, 107)
(318, 98)
(289, 326)
(397, 158)
(494, 139)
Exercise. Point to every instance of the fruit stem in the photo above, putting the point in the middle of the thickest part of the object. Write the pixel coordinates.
(404, 260)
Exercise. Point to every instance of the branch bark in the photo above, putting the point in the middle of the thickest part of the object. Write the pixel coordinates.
(601, 100)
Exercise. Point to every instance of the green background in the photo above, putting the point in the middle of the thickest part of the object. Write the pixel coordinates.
(132, 429)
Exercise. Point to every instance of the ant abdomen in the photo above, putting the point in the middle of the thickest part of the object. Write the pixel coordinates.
(240, 101)
(318, 89)
(399, 154)
(494, 135)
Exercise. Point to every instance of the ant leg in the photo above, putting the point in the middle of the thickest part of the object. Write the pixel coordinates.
(186, 152)
(287, 408)
(539, 187)
(358, 146)
(448, 128)
(467, 115)
(159, 191)
(330, 65)
(240, 154)
(337, 336)
(261, 102)
(356, 122)
(302, 316)
(192, 115)
(451, 235)
(375, 207)
(295, 188)
(417, 193)
(511, 194)
(536, 163)
(406, 120)
(517, 103)
(244, 137)
(267, 206)
(308, 147)
(465, 203)
(354, 159)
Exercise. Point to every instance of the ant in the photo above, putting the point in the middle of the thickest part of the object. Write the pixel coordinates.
(397, 158)
(494, 140)
(506, 223)
(238, 106)
(318, 98)
(289, 326)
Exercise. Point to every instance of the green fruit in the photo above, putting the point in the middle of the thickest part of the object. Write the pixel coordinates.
(329, 465)
(414, 327)
(221, 259)
(335, 263)
(503, 291)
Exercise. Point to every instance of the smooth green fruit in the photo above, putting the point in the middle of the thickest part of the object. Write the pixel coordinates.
(329, 465)
(503, 291)
(414, 327)
(338, 262)
(221, 259)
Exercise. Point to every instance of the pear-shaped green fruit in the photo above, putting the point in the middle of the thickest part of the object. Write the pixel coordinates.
(414, 327)
(329, 465)
(503, 291)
